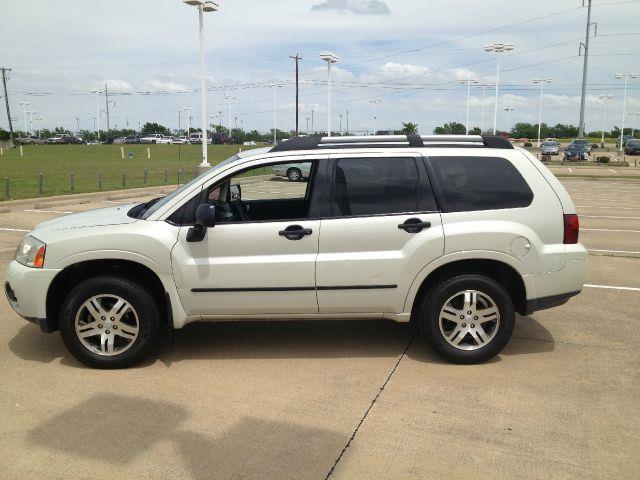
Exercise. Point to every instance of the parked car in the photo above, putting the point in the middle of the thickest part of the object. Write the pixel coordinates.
(632, 147)
(583, 142)
(29, 140)
(625, 138)
(576, 152)
(250, 142)
(132, 139)
(456, 239)
(180, 140)
(196, 138)
(550, 148)
(295, 172)
(221, 139)
(63, 139)
(120, 140)
(155, 138)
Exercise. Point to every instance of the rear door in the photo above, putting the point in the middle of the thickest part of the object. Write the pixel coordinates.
(382, 229)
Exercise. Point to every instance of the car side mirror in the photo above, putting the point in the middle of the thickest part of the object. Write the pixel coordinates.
(236, 192)
(205, 218)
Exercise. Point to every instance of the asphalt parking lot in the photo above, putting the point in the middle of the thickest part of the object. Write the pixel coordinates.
(349, 399)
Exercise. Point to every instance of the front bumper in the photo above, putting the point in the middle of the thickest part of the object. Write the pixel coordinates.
(26, 289)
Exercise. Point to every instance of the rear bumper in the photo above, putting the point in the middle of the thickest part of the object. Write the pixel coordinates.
(543, 303)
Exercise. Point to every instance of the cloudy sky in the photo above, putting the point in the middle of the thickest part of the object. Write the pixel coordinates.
(410, 54)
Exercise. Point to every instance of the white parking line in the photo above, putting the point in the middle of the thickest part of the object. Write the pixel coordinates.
(571, 170)
(611, 287)
(4, 229)
(607, 230)
(609, 216)
(46, 211)
(612, 251)
(609, 207)
(612, 170)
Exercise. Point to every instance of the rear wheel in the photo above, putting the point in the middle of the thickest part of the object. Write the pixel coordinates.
(294, 174)
(467, 318)
(109, 322)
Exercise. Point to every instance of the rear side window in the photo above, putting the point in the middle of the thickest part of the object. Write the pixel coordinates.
(370, 186)
(479, 183)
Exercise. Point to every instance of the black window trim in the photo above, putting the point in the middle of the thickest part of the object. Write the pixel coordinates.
(437, 190)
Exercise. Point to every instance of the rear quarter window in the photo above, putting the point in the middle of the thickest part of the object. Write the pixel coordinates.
(479, 183)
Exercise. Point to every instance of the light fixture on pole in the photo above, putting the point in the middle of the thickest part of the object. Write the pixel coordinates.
(541, 82)
(508, 108)
(498, 49)
(605, 99)
(468, 83)
(24, 113)
(330, 58)
(375, 102)
(626, 77)
(203, 6)
(275, 111)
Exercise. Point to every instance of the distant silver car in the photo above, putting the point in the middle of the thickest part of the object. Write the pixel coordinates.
(295, 172)
(550, 148)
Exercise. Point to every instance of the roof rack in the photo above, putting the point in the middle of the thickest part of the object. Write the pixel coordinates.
(381, 141)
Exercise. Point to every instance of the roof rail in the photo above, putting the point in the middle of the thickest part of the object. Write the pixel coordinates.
(380, 141)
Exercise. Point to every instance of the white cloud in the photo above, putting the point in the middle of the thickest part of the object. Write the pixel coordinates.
(357, 7)
(394, 69)
(115, 86)
(166, 86)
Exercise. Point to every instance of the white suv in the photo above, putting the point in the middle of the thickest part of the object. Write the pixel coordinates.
(456, 233)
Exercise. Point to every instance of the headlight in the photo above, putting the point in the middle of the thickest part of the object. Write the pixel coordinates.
(31, 252)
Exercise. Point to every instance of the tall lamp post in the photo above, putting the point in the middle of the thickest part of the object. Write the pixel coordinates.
(508, 108)
(375, 102)
(498, 49)
(330, 58)
(633, 116)
(626, 77)
(24, 114)
(605, 99)
(275, 111)
(541, 82)
(203, 6)
(468, 83)
(229, 99)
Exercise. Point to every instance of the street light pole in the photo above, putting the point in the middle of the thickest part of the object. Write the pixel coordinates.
(275, 112)
(468, 82)
(24, 114)
(605, 99)
(330, 58)
(626, 77)
(540, 81)
(203, 6)
(498, 49)
(508, 109)
(633, 116)
(229, 99)
(375, 102)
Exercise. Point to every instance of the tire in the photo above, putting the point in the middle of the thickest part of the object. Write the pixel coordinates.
(443, 327)
(294, 175)
(116, 344)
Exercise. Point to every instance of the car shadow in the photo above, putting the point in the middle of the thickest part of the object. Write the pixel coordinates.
(115, 430)
(276, 339)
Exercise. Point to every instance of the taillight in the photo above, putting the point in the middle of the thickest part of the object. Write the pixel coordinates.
(571, 228)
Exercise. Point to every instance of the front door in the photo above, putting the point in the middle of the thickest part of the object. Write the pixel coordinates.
(384, 227)
(260, 256)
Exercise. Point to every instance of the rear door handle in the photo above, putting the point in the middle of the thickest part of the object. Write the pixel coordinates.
(414, 225)
(295, 232)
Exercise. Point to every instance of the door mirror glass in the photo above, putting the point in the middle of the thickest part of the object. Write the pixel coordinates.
(235, 191)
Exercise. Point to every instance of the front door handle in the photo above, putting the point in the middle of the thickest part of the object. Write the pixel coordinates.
(414, 225)
(295, 232)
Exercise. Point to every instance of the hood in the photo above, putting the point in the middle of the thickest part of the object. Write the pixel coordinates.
(92, 218)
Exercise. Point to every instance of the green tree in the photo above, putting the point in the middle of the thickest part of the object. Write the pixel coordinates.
(155, 128)
(4, 135)
(409, 128)
(452, 128)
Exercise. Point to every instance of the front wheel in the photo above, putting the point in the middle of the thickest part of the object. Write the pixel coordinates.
(294, 174)
(467, 318)
(109, 322)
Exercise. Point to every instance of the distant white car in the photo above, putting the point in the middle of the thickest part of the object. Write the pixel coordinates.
(155, 138)
(197, 138)
(180, 140)
(249, 143)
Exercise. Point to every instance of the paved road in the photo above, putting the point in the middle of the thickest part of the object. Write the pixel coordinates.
(280, 399)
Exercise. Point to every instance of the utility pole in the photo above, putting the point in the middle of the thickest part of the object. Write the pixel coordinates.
(106, 100)
(297, 58)
(347, 132)
(6, 100)
(585, 45)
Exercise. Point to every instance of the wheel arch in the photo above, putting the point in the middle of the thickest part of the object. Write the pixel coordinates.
(500, 271)
(78, 272)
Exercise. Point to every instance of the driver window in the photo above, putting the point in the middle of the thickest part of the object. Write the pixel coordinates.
(275, 192)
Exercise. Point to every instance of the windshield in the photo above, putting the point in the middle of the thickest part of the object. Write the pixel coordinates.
(163, 201)
(580, 142)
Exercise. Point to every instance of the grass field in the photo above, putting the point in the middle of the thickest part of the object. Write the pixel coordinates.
(57, 162)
